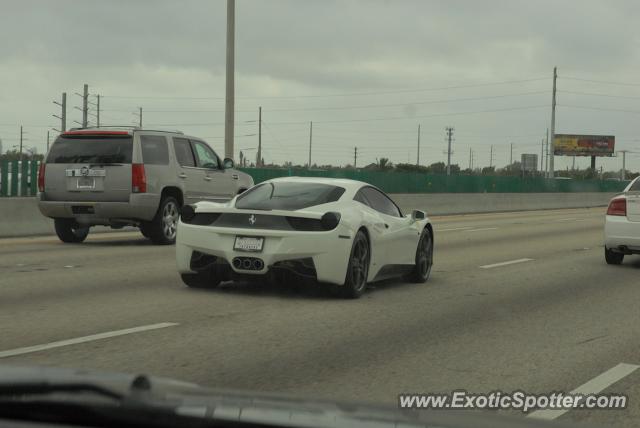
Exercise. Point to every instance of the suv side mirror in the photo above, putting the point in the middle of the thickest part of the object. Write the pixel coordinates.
(228, 163)
(418, 215)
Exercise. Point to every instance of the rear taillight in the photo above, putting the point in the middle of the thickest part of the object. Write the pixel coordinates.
(617, 206)
(41, 177)
(138, 178)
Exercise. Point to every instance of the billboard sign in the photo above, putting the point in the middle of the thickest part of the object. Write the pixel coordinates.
(583, 145)
(529, 162)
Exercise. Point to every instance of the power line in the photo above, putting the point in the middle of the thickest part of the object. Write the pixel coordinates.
(604, 82)
(600, 95)
(600, 108)
(421, 116)
(399, 91)
(356, 107)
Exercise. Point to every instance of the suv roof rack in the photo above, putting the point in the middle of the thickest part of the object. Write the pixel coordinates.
(132, 127)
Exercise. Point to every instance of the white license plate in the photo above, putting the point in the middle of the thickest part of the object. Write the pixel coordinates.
(86, 183)
(248, 243)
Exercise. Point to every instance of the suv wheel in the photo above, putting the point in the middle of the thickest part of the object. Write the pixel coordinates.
(68, 230)
(162, 229)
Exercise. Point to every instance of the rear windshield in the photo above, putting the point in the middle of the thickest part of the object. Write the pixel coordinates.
(635, 187)
(91, 150)
(288, 196)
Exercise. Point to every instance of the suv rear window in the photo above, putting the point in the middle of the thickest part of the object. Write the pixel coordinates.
(154, 150)
(288, 196)
(96, 149)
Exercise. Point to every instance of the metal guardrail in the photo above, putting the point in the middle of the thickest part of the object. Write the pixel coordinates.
(19, 178)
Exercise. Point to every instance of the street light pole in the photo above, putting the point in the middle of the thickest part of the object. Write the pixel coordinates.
(230, 82)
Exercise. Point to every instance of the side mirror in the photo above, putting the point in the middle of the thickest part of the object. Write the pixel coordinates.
(228, 163)
(418, 215)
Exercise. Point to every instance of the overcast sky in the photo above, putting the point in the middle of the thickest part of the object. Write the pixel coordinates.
(367, 73)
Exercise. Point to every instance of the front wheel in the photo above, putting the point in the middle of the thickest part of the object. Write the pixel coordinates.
(69, 231)
(355, 282)
(613, 258)
(424, 258)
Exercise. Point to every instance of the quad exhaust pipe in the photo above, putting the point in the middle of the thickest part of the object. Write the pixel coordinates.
(248, 263)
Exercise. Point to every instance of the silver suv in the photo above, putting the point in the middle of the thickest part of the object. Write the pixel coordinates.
(119, 177)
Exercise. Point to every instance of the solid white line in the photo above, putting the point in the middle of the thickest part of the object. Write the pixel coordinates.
(481, 229)
(567, 219)
(510, 262)
(594, 386)
(453, 228)
(75, 341)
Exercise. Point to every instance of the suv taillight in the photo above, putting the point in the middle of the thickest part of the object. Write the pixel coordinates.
(41, 177)
(138, 178)
(617, 206)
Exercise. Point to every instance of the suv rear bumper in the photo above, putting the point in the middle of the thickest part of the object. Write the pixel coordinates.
(141, 206)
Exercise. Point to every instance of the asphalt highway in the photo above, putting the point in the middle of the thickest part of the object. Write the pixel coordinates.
(516, 301)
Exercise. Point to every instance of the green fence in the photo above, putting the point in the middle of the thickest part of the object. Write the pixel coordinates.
(19, 178)
(406, 182)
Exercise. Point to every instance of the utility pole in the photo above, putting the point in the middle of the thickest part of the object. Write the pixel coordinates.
(98, 111)
(20, 143)
(418, 157)
(470, 157)
(85, 106)
(553, 121)
(573, 163)
(546, 158)
(229, 120)
(63, 113)
(623, 172)
(139, 114)
(355, 157)
(310, 141)
(259, 155)
(542, 156)
(47, 140)
(511, 155)
(449, 135)
(491, 157)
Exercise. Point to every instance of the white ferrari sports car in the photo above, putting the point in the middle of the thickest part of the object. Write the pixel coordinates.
(342, 232)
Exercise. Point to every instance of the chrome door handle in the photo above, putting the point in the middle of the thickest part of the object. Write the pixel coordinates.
(234, 176)
(207, 178)
(183, 175)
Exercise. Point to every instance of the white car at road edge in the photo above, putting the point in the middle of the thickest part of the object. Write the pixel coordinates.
(622, 224)
(342, 232)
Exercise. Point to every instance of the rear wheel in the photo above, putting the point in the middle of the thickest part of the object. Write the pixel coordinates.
(204, 279)
(358, 269)
(68, 230)
(424, 258)
(162, 229)
(612, 257)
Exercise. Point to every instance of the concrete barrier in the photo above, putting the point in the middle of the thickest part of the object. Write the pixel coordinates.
(469, 203)
(21, 217)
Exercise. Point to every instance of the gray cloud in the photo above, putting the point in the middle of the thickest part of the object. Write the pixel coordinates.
(292, 47)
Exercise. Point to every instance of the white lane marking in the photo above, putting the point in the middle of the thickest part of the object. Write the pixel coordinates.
(481, 229)
(594, 386)
(75, 341)
(509, 262)
(566, 219)
(453, 228)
